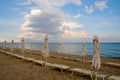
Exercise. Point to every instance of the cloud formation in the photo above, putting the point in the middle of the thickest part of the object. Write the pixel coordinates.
(41, 22)
(27, 2)
(44, 21)
(74, 34)
(101, 4)
(77, 16)
(89, 10)
(50, 4)
(47, 18)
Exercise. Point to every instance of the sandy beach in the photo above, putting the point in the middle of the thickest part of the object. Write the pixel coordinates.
(59, 40)
(16, 69)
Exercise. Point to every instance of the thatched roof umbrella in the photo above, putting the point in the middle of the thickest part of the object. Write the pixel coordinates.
(12, 45)
(46, 48)
(83, 52)
(22, 46)
(96, 57)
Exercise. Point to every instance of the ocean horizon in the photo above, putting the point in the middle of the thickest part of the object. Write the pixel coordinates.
(109, 50)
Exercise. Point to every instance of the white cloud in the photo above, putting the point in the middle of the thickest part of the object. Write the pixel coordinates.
(77, 16)
(89, 10)
(113, 37)
(97, 5)
(45, 22)
(50, 4)
(70, 34)
(53, 23)
(27, 2)
(71, 25)
(35, 12)
(101, 4)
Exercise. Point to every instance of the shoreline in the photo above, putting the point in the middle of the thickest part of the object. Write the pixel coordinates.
(67, 55)
(55, 53)
(107, 50)
(86, 55)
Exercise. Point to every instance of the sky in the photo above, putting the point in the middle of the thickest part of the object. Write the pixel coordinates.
(61, 20)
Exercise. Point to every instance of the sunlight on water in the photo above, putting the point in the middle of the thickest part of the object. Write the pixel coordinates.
(106, 49)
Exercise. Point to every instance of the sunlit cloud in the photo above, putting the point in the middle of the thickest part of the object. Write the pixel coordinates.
(52, 4)
(55, 24)
(101, 5)
(77, 16)
(72, 25)
(89, 10)
(70, 34)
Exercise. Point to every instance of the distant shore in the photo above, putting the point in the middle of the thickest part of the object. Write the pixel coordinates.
(60, 60)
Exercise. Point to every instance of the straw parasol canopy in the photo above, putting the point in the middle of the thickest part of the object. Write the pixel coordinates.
(83, 52)
(46, 48)
(96, 58)
(22, 45)
(5, 45)
(12, 45)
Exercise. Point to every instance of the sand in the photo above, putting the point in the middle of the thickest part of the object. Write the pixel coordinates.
(16, 69)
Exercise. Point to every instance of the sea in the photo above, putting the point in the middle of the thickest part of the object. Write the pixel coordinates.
(109, 50)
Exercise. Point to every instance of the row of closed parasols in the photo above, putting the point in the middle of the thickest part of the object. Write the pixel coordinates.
(45, 51)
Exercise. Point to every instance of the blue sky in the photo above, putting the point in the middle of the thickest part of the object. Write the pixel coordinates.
(62, 21)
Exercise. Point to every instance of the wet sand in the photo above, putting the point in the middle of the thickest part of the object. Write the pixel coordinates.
(24, 70)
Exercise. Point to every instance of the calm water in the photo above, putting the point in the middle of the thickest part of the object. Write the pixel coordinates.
(106, 49)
